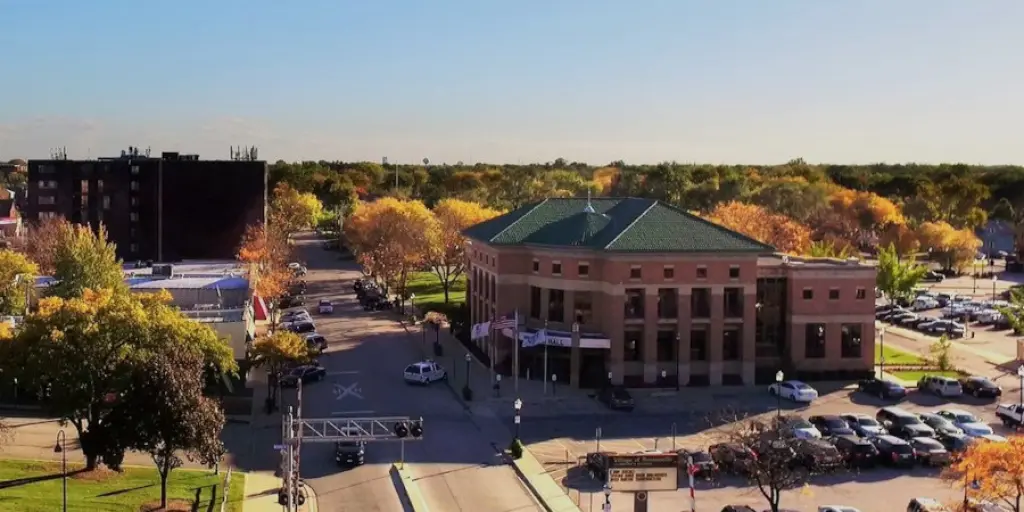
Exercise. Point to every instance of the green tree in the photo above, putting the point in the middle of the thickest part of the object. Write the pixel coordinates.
(276, 352)
(85, 260)
(17, 281)
(828, 249)
(896, 277)
(941, 351)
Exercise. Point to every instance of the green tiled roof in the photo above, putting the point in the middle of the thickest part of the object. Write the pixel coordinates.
(611, 224)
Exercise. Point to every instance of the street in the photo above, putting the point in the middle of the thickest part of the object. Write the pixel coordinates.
(455, 466)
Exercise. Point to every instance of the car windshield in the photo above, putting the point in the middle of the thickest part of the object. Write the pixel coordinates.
(985, 383)
(799, 423)
(867, 422)
(928, 444)
(835, 423)
(801, 386)
(902, 448)
(620, 394)
(908, 420)
(701, 457)
(966, 418)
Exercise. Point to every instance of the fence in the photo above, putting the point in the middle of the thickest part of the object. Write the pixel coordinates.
(226, 492)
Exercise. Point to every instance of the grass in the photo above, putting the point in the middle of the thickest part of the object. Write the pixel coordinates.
(35, 486)
(914, 376)
(895, 356)
(430, 294)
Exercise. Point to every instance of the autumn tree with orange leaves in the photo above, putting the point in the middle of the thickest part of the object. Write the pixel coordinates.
(991, 471)
(956, 248)
(265, 251)
(44, 238)
(446, 254)
(391, 238)
(779, 231)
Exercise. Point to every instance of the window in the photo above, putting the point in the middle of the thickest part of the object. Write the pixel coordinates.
(134, 185)
(584, 307)
(133, 232)
(135, 201)
(668, 272)
(808, 293)
(833, 294)
(556, 268)
(99, 186)
(851, 341)
(583, 269)
(732, 344)
(667, 346)
(134, 217)
(134, 247)
(698, 344)
(106, 202)
(45, 168)
(636, 273)
(734, 272)
(135, 169)
(47, 184)
(634, 307)
(534, 302)
(702, 272)
(814, 339)
(536, 266)
(733, 302)
(46, 200)
(861, 294)
(633, 345)
(700, 303)
(556, 305)
(668, 303)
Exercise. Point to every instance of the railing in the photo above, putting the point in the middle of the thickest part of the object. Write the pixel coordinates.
(226, 492)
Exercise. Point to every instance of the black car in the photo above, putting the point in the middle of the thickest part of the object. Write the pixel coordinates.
(863, 425)
(980, 387)
(703, 464)
(616, 398)
(893, 451)
(929, 451)
(881, 388)
(305, 373)
(942, 426)
(349, 453)
(301, 327)
(932, 276)
(297, 288)
(291, 301)
(831, 425)
(856, 452)
(818, 455)
(956, 443)
(597, 464)
(731, 457)
(317, 342)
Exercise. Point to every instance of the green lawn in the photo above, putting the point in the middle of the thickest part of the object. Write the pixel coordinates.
(913, 377)
(895, 356)
(430, 294)
(40, 490)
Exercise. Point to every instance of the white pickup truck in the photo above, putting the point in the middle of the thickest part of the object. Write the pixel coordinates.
(1012, 415)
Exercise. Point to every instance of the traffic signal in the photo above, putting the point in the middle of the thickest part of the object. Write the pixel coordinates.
(401, 430)
(416, 429)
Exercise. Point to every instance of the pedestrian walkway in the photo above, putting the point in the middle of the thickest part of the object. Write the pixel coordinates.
(261, 491)
(998, 367)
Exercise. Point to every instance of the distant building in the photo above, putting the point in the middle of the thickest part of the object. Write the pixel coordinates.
(10, 219)
(168, 208)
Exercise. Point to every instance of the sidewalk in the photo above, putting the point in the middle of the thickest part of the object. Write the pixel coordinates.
(1000, 368)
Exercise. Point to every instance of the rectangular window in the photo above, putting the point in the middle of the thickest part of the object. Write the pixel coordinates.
(106, 202)
(45, 168)
(134, 217)
(734, 272)
(134, 248)
(667, 346)
(698, 344)
(833, 294)
(634, 306)
(133, 232)
(814, 339)
(99, 186)
(135, 201)
(556, 268)
(536, 266)
(808, 294)
(732, 343)
(47, 215)
(861, 294)
(534, 302)
(636, 273)
(633, 345)
(46, 200)
(47, 184)
(668, 303)
(583, 269)
(669, 272)
(702, 272)
(135, 169)
(733, 298)
(700, 303)
(556, 305)
(134, 185)
(851, 341)
(584, 307)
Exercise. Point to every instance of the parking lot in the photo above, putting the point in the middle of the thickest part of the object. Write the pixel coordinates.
(560, 443)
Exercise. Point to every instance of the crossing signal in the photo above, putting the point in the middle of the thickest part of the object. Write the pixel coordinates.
(401, 430)
(416, 429)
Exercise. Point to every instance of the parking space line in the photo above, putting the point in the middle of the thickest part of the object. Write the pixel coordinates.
(348, 413)
(345, 372)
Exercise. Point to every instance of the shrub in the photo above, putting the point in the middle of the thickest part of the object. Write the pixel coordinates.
(516, 449)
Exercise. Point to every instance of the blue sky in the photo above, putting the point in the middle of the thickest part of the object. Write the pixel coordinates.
(720, 81)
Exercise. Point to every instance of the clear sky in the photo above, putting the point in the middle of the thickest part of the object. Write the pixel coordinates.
(720, 81)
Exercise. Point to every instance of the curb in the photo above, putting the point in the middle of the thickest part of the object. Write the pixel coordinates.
(408, 490)
(311, 499)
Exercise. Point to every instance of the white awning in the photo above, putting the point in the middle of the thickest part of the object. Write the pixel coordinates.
(533, 337)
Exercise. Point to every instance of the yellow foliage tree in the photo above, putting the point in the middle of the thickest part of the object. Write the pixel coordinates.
(957, 247)
(901, 237)
(265, 250)
(869, 210)
(991, 471)
(291, 210)
(17, 281)
(779, 231)
(447, 252)
(391, 238)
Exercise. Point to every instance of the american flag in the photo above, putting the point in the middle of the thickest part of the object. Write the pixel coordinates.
(505, 322)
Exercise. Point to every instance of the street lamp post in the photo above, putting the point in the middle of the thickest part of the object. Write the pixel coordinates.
(778, 392)
(518, 406)
(61, 448)
(677, 360)
(607, 499)
(412, 306)
(1020, 373)
(469, 359)
(881, 353)
(664, 377)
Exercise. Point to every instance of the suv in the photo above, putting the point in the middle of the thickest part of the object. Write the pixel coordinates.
(424, 372)
(731, 457)
(818, 455)
(942, 386)
(903, 424)
(856, 452)
(894, 451)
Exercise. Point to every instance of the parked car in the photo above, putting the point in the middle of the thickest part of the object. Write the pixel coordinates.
(893, 451)
(924, 303)
(900, 423)
(955, 443)
(317, 342)
(300, 327)
(929, 451)
(947, 327)
(818, 455)
(793, 390)
(798, 427)
(305, 373)
(969, 423)
(704, 465)
(291, 301)
(325, 307)
(616, 398)
(981, 387)
(884, 389)
(731, 458)
(295, 315)
(942, 386)
(941, 425)
(933, 277)
(837, 508)
(864, 425)
(856, 452)
(830, 425)
(905, 319)
(1012, 415)
(424, 372)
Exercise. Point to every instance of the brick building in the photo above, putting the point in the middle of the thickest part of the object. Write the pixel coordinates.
(655, 290)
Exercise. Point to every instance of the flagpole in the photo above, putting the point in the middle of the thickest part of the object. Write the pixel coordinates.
(515, 341)
(491, 339)
(545, 376)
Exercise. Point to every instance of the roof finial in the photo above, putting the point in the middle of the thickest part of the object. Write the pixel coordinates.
(590, 207)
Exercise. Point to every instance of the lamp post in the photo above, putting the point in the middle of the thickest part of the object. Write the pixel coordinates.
(677, 360)
(412, 306)
(518, 406)
(778, 392)
(664, 377)
(881, 353)
(469, 359)
(1020, 373)
(994, 281)
(607, 499)
(61, 448)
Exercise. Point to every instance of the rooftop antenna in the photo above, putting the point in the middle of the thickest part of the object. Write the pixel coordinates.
(590, 207)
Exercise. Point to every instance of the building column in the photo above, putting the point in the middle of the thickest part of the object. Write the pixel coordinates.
(833, 341)
(715, 336)
(650, 341)
(797, 344)
(614, 326)
(683, 326)
(545, 299)
(749, 352)
(569, 307)
(574, 358)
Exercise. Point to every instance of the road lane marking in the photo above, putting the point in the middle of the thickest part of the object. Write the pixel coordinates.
(345, 372)
(345, 413)
(341, 391)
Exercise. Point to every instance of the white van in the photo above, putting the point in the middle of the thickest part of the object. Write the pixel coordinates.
(924, 303)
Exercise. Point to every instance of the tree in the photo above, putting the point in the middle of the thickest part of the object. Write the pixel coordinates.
(277, 351)
(43, 239)
(795, 198)
(941, 351)
(900, 236)
(991, 471)
(85, 351)
(168, 414)
(896, 277)
(85, 260)
(17, 280)
(291, 210)
(829, 249)
(390, 237)
(265, 251)
(779, 231)
(957, 248)
(446, 255)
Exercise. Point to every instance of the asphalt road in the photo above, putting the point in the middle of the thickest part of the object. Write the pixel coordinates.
(455, 466)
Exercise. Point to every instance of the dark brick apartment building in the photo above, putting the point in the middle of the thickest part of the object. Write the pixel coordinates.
(167, 208)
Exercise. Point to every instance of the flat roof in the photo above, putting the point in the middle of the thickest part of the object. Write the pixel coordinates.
(778, 260)
(191, 268)
(189, 283)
